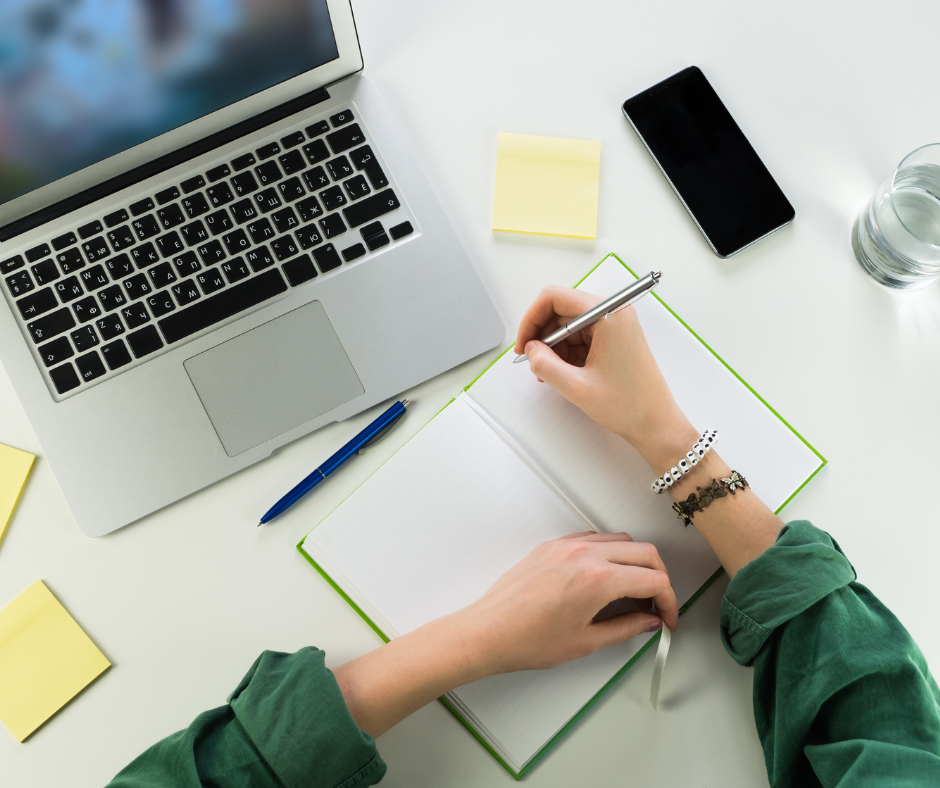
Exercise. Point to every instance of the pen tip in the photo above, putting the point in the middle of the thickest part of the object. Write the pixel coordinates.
(519, 359)
(259, 525)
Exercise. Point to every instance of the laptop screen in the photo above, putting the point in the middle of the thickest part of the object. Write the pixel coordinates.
(82, 80)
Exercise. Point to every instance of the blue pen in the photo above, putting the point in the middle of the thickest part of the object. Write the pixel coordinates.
(374, 432)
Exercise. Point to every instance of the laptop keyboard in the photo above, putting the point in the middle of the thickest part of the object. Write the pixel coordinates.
(124, 288)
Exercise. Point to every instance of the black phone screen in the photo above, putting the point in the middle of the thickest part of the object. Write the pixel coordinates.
(717, 174)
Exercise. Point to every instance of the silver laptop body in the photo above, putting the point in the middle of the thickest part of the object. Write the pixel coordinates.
(149, 375)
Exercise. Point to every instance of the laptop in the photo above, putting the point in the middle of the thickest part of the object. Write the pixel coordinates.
(214, 239)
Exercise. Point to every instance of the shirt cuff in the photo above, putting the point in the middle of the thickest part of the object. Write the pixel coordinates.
(293, 711)
(804, 566)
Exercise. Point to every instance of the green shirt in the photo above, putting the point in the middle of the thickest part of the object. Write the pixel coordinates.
(842, 695)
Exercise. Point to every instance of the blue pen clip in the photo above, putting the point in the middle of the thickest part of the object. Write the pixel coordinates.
(379, 435)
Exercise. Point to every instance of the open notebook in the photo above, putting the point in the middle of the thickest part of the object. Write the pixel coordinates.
(510, 464)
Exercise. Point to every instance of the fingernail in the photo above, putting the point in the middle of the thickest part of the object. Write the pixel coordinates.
(529, 347)
(654, 625)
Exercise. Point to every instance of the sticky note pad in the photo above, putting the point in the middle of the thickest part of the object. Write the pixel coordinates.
(45, 660)
(14, 468)
(546, 186)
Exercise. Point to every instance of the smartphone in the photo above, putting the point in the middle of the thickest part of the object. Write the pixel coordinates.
(712, 168)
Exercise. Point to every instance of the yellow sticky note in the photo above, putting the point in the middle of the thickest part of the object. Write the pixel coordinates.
(45, 660)
(14, 468)
(546, 186)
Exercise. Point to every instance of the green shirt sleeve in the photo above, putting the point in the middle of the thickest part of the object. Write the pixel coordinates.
(842, 694)
(286, 725)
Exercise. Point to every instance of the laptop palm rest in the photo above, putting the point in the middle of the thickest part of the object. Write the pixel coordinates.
(273, 378)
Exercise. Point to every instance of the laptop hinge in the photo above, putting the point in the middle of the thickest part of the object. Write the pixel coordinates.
(162, 164)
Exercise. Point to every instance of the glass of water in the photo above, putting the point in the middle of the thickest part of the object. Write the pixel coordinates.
(896, 238)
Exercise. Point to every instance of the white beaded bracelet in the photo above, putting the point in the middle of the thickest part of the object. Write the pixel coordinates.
(681, 468)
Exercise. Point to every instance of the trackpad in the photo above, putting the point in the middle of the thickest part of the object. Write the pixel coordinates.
(273, 378)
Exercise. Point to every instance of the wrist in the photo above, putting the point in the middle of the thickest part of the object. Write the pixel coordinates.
(663, 444)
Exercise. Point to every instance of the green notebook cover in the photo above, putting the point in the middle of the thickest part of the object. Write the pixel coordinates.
(587, 706)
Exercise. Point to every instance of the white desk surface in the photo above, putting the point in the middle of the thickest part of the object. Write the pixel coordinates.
(832, 96)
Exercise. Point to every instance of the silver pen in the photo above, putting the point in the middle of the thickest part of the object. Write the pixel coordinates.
(607, 307)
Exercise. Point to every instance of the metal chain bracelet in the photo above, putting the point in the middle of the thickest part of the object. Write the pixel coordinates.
(719, 488)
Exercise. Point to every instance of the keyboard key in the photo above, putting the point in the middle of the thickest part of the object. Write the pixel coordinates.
(377, 241)
(37, 253)
(115, 354)
(217, 173)
(60, 243)
(259, 259)
(244, 184)
(191, 184)
(220, 221)
(243, 161)
(50, 325)
(186, 264)
(327, 258)
(145, 227)
(261, 231)
(318, 128)
(291, 190)
(161, 303)
(162, 275)
(90, 229)
(195, 233)
(222, 305)
(70, 261)
(37, 304)
(371, 208)
(210, 281)
(243, 211)
(375, 175)
(68, 289)
(90, 366)
(112, 297)
(309, 209)
(292, 162)
(142, 207)
(84, 338)
(356, 187)
(401, 230)
(235, 270)
(116, 218)
(137, 287)
(135, 315)
(346, 138)
(339, 168)
(93, 278)
(316, 151)
(171, 216)
(362, 157)
(341, 117)
(64, 378)
(268, 173)
(269, 150)
(316, 179)
(144, 256)
(169, 244)
(45, 272)
(292, 140)
(285, 220)
(299, 270)
(195, 205)
(219, 195)
(86, 309)
(8, 266)
(211, 253)
(167, 195)
(309, 236)
(353, 252)
(56, 351)
(95, 249)
(284, 247)
(119, 267)
(267, 200)
(145, 341)
(333, 198)
(121, 238)
(185, 292)
(332, 225)
(20, 284)
(236, 242)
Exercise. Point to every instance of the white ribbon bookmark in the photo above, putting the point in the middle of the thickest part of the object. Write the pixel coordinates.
(661, 653)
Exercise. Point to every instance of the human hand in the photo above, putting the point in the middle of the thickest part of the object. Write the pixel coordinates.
(540, 613)
(607, 370)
